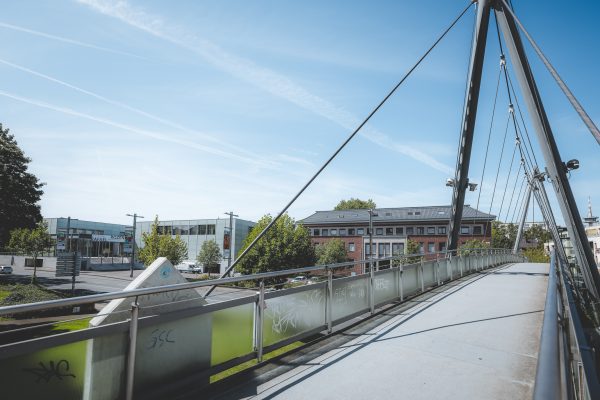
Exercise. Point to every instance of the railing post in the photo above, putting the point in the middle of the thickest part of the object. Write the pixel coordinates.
(258, 322)
(437, 269)
(329, 300)
(421, 276)
(133, 329)
(401, 282)
(449, 263)
(372, 290)
(460, 264)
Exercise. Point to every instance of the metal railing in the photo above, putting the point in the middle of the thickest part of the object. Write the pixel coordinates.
(566, 364)
(222, 335)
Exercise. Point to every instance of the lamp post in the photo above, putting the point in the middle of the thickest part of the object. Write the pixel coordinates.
(372, 213)
(231, 215)
(135, 217)
(68, 248)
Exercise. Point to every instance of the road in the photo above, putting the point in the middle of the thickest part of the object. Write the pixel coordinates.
(91, 282)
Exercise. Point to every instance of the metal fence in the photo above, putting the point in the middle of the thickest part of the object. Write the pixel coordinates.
(169, 335)
(567, 365)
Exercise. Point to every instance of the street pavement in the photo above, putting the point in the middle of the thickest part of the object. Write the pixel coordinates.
(92, 282)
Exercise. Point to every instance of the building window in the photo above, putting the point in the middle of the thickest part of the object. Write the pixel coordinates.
(477, 230)
(442, 246)
(384, 250)
(420, 230)
(351, 231)
(441, 230)
(399, 231)
(316, 232)
(201, 229)
(421, 247)
(410, 213)
(167, 230)
(360, 231)
(410, 230)
(431, 230)
(397, 249)
(367, 249)
(342, 232)
(334, 232)
(351, 247)
(194, 230)
(325, 232)
(431, 247)
(417, 212)
(379, 231)
(464, 230)
(389, 231)
(210, 229)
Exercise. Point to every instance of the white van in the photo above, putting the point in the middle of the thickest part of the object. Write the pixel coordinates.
(189, 266)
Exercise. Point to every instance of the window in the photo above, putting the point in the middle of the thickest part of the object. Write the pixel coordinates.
(334, 232)
(389, 231)
(384, 250)
(431, 230)
(210, 229)
(367, 250)
(325, 232)
(431, 247)
(167, 230)
(410, 213)
(464, 230)
(420, 230)
(421, 247)
(399, 231)
(477, 230)
(442, 246)
(417, 212)
(201, 229)
(441, 230)
(379, 231)
(397, 249)
(351, 231)
(316, 232)
(351, 247)
(410, 230)
(194, 230)
(342, 232)
(360, 231)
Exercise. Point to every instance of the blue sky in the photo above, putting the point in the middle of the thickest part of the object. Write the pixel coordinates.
(190, 109)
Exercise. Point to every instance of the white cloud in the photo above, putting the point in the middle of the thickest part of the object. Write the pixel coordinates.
(246, 70)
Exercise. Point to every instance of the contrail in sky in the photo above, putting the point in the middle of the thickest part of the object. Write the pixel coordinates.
(66, 40)
(143, 132)
(246, 70)
(135, 110)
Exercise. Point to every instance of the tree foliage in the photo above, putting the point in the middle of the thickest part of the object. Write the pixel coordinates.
(355, 204)
(412, 248)
(20, 191)
(470, 245)
(536, 254)
(537, 235)
(155, 245)
(210, 254)
(503, 235)
(31, 242)
(331, 252)
(286, 245)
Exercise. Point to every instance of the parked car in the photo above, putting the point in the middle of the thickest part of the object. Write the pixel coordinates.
(5, 269)
(299, 279)
(189, 266)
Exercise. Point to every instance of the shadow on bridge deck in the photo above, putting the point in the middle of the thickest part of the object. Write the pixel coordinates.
(478, 338)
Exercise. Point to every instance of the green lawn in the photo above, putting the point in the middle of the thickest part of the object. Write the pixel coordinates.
(72, 325)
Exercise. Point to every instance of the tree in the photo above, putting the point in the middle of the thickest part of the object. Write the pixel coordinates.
(503, 235)
(20, 191)
(412, 248)
(355, 204)
(536, 254)
(470, 245)
(331, 252)
(31, 242)
(155, 245)
(537, 234)
(210, 254)
(286, 245)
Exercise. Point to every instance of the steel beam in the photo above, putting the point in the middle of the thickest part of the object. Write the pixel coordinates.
(461, 179)
(554, 164)
(523, 217)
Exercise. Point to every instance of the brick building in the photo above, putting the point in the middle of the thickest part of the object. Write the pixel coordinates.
(393, 227)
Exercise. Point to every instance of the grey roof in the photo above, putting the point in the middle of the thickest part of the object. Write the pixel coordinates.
(402, 214)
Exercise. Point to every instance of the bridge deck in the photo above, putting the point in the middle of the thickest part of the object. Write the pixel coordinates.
(477, 339)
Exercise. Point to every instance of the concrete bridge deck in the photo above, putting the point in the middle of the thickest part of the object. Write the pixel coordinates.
(477, 339)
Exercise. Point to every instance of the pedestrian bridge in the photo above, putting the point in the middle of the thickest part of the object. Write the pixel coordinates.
(460, 326)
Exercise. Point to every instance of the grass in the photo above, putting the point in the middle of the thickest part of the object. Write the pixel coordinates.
(22, 294)
(75, 325)
(3, 293)
(251, 363)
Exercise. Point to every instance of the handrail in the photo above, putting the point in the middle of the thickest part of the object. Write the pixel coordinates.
(22, 308)
(548, 373)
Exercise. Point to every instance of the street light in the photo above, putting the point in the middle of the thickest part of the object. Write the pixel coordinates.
(135, 217)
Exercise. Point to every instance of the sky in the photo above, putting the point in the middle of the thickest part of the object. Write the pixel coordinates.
(190, 109)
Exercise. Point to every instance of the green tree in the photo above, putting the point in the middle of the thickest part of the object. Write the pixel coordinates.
(468, 247)
(209, 255)
(355, 204)
(503, 235)
(331, 252)
(31, 242)
(537, 234)
(412, 248)
(155, 245)
(536, 254)
(20, 191)
(286, 245)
